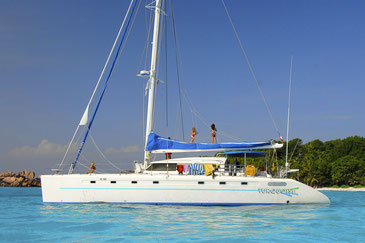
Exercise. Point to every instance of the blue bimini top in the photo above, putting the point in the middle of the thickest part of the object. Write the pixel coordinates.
(158, 144)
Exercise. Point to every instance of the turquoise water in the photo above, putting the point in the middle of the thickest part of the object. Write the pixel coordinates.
(24, 218)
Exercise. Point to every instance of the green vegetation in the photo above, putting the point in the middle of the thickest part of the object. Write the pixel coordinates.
(336, 163)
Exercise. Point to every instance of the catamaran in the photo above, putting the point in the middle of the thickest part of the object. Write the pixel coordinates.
(180, 181)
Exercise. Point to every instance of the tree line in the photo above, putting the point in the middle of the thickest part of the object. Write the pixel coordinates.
(336, 162)
(321, 164)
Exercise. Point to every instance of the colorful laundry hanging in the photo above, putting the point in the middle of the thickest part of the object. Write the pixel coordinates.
(196, 169)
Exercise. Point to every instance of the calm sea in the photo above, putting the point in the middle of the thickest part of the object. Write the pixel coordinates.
(24, 218)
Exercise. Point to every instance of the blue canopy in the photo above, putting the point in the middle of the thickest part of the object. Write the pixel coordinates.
(249, 154)
(157, 144)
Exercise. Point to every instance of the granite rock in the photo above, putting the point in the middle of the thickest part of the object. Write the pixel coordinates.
(24, 178)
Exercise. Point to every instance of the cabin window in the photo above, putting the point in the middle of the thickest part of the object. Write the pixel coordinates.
(276, 184)
(156, 182)
(162, 167)
(244, 183)
(222, 183)
(113, 182)
(134, 182)
(201, 182)
(92, 181)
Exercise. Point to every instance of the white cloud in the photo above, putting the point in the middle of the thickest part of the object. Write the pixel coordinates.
(128, 149)
(44, 149)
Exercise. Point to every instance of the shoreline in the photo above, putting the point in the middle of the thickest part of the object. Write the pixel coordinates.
(350, 189)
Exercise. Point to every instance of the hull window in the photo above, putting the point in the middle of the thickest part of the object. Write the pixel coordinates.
(276, 184)
(92, 181)
(201, 182)
(244, 183)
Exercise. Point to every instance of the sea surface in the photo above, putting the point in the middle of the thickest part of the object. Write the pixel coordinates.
(24, 218)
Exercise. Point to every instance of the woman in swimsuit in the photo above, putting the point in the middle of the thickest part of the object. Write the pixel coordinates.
(92, 168)
(213, 130)
(193, 134)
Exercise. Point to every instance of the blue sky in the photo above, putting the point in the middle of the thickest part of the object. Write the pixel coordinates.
(52, 53)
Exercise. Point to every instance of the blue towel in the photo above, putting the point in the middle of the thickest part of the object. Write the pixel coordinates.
(196, 169)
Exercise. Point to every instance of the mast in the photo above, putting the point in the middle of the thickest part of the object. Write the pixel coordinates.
(152, 79)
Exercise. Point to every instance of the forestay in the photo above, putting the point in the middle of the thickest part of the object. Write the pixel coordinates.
(158, 144)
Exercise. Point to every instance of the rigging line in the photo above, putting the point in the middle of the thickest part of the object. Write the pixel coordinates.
(104, 88)
(131, 27)
(97, 170)
(251, 69)
(102, 154)
(148, 33)
(177, 67)
(100, 77)
(166, 96)
(293, 150)
(287, 127)
(148, 36)
(68, 148)
(145, 53)
(157, 71)
(205, 122)
(67, 154)
(167, 122)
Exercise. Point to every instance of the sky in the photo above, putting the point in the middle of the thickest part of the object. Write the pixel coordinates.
(52, 53)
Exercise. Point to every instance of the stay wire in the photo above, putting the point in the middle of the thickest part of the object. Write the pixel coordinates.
(177, 68)
(102, 154)
(251, 69)
(198, 115)
(166, 77)
(104, 88)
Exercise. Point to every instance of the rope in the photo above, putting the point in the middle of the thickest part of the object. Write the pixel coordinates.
(104, 88)
(166, 76)
(177, 68)
(288, 122)
(102, 155)
(291, 156)
(87, 167)
(251, 69)
(203, 120)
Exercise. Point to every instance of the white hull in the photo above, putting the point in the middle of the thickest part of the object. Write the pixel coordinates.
(176, 189)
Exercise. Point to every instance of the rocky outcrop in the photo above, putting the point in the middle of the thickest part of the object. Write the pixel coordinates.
(25, 178)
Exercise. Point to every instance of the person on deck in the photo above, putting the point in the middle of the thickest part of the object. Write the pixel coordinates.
(92, 168)
(193, 134)
(213, 131)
